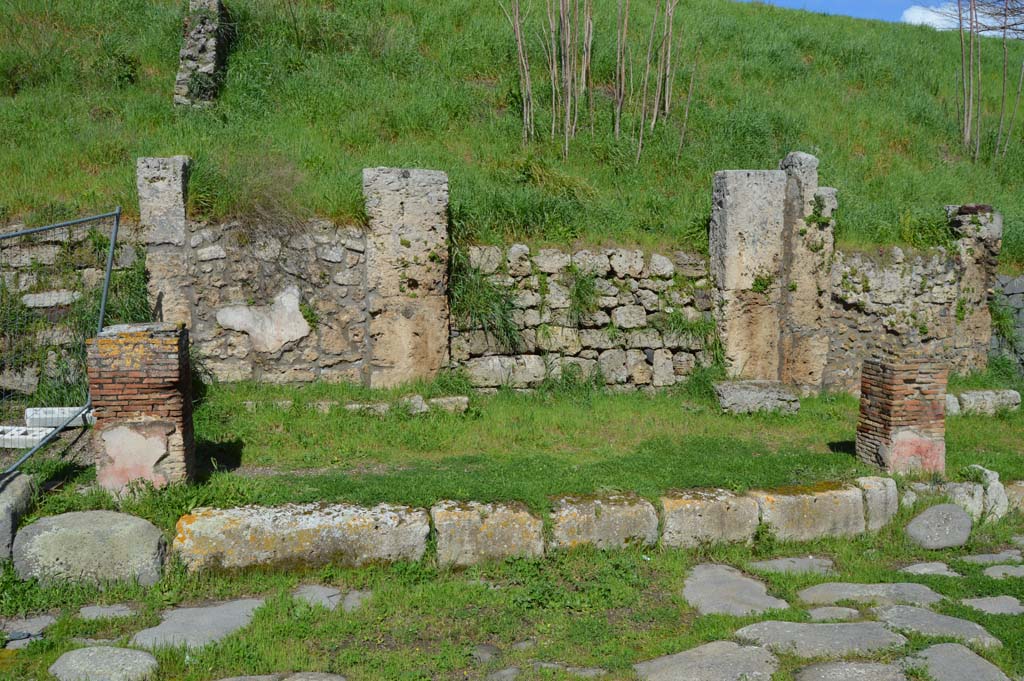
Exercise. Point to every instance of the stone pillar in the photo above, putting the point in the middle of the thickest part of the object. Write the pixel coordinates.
(808, 245)
(141, 389)
(407, 274)
(902, 425)
(746, 247)
(201, 60)
(163, 192)
(980, 232)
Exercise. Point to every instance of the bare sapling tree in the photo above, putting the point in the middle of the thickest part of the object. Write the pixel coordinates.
(515, 19)
(621, 56)
(643, 88)
(689, 99)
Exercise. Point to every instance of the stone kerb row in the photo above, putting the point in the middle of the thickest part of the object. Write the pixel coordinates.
(471, 532)
(623, 333)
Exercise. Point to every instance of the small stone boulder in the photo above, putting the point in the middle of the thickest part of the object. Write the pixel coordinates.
(940, 527)
(104, 663)
(90, 546)
(16, 492)
(749, 397)
(989, 402)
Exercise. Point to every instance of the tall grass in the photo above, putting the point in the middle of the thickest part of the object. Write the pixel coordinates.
(316, 92)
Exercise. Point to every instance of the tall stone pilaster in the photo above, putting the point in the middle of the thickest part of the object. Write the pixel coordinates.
(163, 193)
(407, 274)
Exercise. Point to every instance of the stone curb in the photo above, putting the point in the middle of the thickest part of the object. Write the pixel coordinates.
(470, 532)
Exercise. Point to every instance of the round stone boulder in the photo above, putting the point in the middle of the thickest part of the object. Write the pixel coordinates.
(90, 546)
(104, 663)
(941, 527)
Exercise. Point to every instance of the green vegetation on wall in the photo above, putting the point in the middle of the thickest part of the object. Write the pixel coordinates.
(316, 90)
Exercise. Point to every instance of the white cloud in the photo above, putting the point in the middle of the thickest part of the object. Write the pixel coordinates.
(942, 17)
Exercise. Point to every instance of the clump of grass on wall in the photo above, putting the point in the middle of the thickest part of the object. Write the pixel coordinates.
(582, 294)
(479, 303)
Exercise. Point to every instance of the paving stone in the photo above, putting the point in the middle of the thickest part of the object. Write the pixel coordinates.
(940, 527)
(851, 671)
(1003, 557)
(525, 644)
(805, 516)
(506, 674)
(23, 631)
(472, 532)
(881, 501)
(90, 546)
(578, 672)
(314, 676)
(996, 605)
(954, 662)
(696, 517)
(1004, 571)
(485, 652)
(833, 612)
(613, 521)
(196, 627)
(317, 594)
(355, 600)
(928, 623)
(808, 565)
(103, 663)
(1018, 539)
(930, 569)
(720, 589)
(719, 660)
(100, 612)
(831, 593)
(821, 640)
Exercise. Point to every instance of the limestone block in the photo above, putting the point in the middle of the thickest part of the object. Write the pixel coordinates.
(16, 492)
(1015, 495)
(559, 339)
(613, 366)
(517, 260)
(660, 267)
(605, 522)
(519, 371)
(305, 534)
(471, 532)
(747, 220)
(162, 184)
(749, 397)
(629, 316)
(748, 323)
(90, 546)
(487, 259)
(881, 499)
(989, 402)
(805, 515)
(590, 262)
(408, 340)
(551, 261)
(626, 263)
(664, 370)
(698, 517)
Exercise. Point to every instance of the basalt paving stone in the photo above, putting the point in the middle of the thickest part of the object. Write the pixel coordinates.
(719, 660)
(851, 671)
(928, 623)
(954, 662)
(103, 663)
(833, 612)
(1008, 556)
(1004, 571)
(485, 652)
(996, 605)
(196, 627)
(896, 593)
(940, 569)
(99, 612)
(355, 600)
(301, 676)
(720, 589)
(940, 527)
(808, 564)
(578, 672)
(317, 594)
(21, 632)
(507, 674)
(821, 640)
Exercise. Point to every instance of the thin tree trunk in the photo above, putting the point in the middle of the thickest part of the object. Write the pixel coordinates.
(689, 98)
(552, 51)
(515, 19)
(1006, 63)
(965, 125)
(968, 131)
(621, 49)
(658, 74)
(567, 75)
(980, 112)
(669, 67)
(643, 94)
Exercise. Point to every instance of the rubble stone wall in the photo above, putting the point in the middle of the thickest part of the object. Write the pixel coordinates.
(641, 320)
(1011, 296)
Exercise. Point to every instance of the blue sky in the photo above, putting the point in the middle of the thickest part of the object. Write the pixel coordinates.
(889, 10)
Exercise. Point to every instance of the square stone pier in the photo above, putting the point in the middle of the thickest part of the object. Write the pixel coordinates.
(902, 425)
(141, 387)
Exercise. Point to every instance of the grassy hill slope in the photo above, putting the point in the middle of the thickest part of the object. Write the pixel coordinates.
(318, 89)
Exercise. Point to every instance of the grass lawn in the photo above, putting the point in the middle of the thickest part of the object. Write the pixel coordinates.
(317, 90)
(582, 608)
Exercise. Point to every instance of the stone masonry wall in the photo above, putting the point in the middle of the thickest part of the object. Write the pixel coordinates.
(201, 59)
(634, 333)
(1011, 295)
(938, 300)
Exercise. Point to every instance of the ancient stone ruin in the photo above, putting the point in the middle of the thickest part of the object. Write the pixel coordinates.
(201, 60)
(902, 425)
(141, 388)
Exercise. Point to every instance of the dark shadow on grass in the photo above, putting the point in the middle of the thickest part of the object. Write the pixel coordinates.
(217, 456)
(843, 447)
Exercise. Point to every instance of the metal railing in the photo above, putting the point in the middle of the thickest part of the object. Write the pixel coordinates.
(53, 297)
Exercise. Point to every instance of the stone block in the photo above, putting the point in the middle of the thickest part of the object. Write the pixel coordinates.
(747, 220)
(519, 371)
(692, 518)
(1015, 495)
(300, 534)
(162, 184)
(90, 546)
(804, 515)
(472, 532)
(16, 493)
(605, 522)
(989, 402)
(749, 397)
(881, 500)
